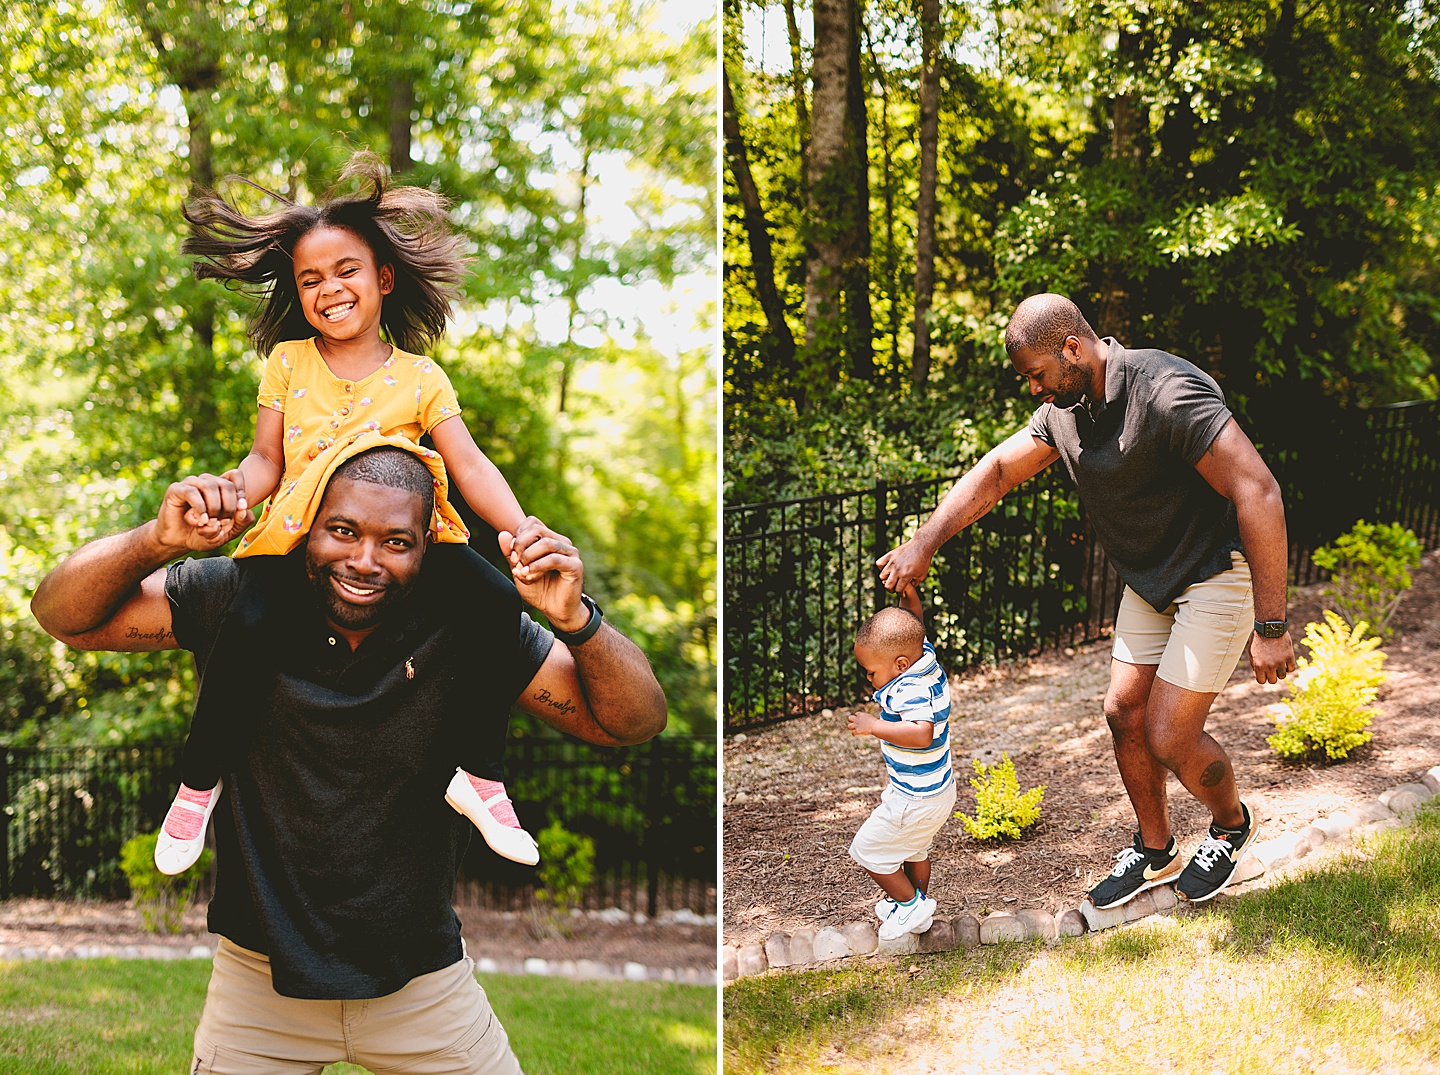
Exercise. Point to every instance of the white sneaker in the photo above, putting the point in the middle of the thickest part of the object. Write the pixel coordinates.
(173, 855)
(514, 844)
(909, 918)
(885, 908)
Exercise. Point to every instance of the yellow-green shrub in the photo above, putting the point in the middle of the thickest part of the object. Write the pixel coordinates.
(1329, 705)
(1000, 808)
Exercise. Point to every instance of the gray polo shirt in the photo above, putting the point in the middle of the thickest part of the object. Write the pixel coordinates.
(1133, 459)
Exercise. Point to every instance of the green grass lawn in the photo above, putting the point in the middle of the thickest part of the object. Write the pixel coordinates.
(106, 1016)
(1335, 971)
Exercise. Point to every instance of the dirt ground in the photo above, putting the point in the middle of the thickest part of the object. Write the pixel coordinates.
(503, 936)
(794, 794)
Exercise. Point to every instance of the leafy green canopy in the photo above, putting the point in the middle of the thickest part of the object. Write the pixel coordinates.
(1250, 185)
(121, 372)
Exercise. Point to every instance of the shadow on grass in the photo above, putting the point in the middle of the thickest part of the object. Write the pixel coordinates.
(793, 1015)
(1381, 913)
(1378, 912)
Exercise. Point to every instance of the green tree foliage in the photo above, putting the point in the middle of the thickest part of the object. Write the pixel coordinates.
(121, 372)
(1369, 569)
(1249, 185)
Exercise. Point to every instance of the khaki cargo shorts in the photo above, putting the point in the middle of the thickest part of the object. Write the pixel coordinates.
(900, 829)
(1198, 640)
(439, 1023)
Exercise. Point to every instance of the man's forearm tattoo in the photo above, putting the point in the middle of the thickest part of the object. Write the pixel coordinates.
(565, 706)
(160, 634)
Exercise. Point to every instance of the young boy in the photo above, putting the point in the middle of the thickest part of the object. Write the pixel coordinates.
(893, 846)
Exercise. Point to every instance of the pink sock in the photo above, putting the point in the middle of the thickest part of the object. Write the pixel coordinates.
(182, 824)
(504, 810)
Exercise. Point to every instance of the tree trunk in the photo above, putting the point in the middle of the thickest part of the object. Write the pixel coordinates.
(925, 206)
(892, 283)
(828, 168)
(797, 82)
(860, 324)
(762, 262)
(402, 103)
(187, 39)
(1128, 127)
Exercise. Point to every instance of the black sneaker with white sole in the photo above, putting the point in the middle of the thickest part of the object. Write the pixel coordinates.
(1136, 869)
(1214, 862)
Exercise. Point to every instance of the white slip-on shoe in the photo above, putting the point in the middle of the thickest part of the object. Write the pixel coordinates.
(514, 844)
(885, 908)
(174, 855)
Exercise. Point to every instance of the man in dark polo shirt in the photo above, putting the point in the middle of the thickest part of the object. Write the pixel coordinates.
(1191, 519)
(345, 673)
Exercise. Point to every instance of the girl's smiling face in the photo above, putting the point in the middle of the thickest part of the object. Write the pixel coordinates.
(340, 287)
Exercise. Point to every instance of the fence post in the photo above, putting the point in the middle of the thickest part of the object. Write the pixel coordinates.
(881, 540)
(4, 823)
(652, 806)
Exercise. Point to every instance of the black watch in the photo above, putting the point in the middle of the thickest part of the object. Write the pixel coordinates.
(576, 638)
(1271, 628)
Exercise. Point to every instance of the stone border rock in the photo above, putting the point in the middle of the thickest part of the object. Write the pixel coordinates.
(544, 968)
(588, 969)
(809, 947)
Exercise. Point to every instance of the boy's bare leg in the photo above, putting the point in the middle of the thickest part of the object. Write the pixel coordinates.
(918, 873)
(897, 885)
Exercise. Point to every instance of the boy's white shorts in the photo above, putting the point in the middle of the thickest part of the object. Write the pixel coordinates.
(900, 829)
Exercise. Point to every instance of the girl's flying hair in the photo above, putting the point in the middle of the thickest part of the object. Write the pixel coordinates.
(405, 228)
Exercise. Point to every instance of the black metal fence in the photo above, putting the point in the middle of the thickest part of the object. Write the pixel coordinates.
(800, 575)
(650, 810)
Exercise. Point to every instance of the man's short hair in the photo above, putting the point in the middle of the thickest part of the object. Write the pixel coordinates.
(892, 630)
(393, 467)
(1042, 322)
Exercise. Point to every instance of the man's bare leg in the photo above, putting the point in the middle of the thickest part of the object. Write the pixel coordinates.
(1159, 728)
(1175, 736)
(1144, 777)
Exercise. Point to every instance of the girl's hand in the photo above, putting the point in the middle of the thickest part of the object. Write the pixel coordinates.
(547, 571)
(203, 512)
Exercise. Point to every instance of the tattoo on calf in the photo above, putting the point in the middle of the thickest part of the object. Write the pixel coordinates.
(566, 707)
(160, 634)
(1213, 774)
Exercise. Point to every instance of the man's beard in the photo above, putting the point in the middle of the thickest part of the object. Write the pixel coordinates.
(1071, 386)
(341, 612)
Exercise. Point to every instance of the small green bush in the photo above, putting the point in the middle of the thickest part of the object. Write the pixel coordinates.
(161, 900)
(1329, 705)
(1369, 572)
(1000, 809)
(567, 866)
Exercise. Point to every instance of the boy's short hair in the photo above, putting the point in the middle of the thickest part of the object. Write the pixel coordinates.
(892, 630)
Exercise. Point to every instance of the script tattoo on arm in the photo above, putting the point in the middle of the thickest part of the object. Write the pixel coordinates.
(565, 706)
(160, 634)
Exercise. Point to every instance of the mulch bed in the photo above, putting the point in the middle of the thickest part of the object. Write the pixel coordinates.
(504, 936)
(794, 794)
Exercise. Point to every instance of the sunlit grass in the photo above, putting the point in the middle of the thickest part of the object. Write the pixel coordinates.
(137, 1017)
(1337, 970)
